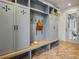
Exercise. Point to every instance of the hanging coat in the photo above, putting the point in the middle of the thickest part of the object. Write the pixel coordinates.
(39, 26)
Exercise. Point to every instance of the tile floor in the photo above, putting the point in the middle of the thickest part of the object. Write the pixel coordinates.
(65, 50)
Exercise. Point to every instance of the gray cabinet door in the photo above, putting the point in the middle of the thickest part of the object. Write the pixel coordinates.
(23, 23)
(53, 27)
(6, 28)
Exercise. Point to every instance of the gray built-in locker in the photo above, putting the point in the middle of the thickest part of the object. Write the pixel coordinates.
(6, 28)
(22, 20)
(14, 28)
(52, 27)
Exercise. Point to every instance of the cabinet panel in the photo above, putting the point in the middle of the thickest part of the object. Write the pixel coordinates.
(52, 27)
(6, 28)
(23, 23)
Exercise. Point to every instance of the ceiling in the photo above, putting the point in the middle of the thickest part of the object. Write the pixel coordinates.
(63, 4)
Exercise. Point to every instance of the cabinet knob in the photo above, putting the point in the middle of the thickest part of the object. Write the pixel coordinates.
(6, 8)
(23, 12)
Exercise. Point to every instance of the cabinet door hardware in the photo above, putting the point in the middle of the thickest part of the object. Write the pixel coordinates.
(23, 12)
(15, 27)
(6, 8)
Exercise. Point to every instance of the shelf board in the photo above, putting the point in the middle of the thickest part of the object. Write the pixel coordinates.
(37, 10)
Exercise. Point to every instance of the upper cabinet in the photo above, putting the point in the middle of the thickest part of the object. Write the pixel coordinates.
(6, 28)
(22, 20)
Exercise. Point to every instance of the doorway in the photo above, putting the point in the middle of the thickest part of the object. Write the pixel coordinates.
(71, 29)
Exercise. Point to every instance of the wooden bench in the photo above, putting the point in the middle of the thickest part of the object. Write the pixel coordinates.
(29, 49)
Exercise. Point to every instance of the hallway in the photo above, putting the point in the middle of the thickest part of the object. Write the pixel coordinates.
(65, 50)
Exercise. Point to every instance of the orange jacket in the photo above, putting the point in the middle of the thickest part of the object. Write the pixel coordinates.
(39, 26)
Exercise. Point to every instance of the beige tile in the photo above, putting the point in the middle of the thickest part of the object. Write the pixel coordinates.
(65, 50)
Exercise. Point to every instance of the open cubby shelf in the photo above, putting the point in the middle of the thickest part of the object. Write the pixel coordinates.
(38, 6)
(50, 10)
(11, 0)
(35, 17)
(41, 15)
(37, 10)
(22, 56)
(23, 2)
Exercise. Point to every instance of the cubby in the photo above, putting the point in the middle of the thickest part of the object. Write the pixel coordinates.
(38, 6)
(34, 18)
(50, 10)
(11, 1)
(23, 2)
(22, 56)
(54, 44)
(39, 51)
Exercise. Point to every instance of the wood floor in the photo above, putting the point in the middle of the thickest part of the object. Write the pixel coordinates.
(65, 50)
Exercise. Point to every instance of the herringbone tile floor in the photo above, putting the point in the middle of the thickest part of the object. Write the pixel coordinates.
(65, 50)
